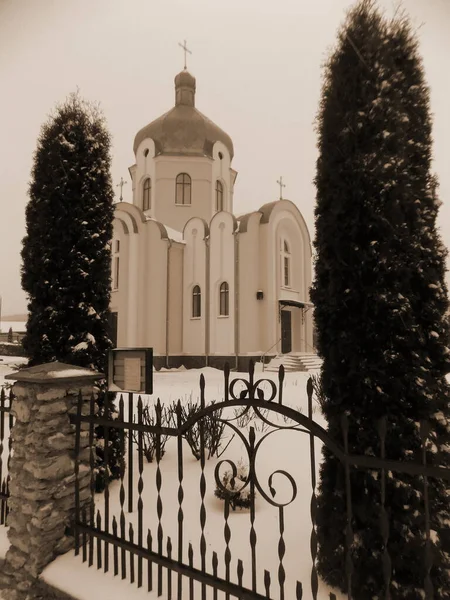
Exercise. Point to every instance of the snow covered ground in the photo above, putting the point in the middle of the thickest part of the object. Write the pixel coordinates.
(286, 450)
(17, 326)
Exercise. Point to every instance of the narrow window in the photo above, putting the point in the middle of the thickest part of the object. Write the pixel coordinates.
(219, 196)
(286, 263)
(116, 272)
(286, 271)
(183, 189)
(196, 302)
(224, 299)
(147, 194)
(115, 265)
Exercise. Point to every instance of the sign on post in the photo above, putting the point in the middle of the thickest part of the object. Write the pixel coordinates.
(130, 370)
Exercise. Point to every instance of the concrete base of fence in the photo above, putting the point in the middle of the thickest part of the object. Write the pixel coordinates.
(42, 485)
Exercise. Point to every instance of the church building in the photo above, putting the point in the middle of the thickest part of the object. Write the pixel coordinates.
(190, 279)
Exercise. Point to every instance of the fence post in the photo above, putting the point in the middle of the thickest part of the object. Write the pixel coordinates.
(42, 486)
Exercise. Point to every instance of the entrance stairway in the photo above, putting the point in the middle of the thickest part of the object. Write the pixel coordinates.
(298, 361)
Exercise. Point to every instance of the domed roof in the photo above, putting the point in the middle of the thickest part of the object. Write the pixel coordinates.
(184, 129)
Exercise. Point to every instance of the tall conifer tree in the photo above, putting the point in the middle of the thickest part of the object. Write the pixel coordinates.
(66, 252)
(380, 303)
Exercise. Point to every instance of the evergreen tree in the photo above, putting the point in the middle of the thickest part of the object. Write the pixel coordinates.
(66, 252)
(380, 303)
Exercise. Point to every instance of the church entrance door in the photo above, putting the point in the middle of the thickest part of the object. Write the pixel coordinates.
(286, 331)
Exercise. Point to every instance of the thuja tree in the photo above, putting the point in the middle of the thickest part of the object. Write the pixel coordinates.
(380, 303)
(66, 252)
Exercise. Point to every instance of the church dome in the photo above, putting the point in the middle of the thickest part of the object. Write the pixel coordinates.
(184, 130)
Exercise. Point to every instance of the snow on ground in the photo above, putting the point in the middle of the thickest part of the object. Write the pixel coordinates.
(288, 450)
(8, 364)
(16, 326)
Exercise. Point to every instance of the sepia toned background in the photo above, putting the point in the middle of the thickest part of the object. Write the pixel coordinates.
(258, 70)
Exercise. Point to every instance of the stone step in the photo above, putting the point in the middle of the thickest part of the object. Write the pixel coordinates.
(295, 362)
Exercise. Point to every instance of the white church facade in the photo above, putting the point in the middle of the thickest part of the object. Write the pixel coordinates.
(189, 278)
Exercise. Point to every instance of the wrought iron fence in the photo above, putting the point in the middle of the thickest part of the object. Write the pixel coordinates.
(183, 565)
(6, 424)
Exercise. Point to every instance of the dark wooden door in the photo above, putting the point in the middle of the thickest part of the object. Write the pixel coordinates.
(286, 331)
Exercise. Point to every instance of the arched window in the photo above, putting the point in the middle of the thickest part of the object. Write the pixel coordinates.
(286, 264)
(196, 302)
(147, 194)
(219, 196)
(224, 299)
(183, 189)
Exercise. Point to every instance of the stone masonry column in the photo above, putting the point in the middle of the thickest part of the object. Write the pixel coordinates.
(42, 485)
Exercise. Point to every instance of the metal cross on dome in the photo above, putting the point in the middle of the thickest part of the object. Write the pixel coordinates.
(186, 50)
(282, 185)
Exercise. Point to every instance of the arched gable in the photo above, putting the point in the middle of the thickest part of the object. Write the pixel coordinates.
(196, 223)
(272, 209)
(132, 219)
(245, 220)
(130, 215)
(226, 217)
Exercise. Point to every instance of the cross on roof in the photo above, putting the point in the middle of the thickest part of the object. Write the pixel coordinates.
(186, 50)
(282, 185)
(121, 184)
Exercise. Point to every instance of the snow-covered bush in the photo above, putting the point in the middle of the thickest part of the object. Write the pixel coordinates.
(235, 488)
(213, 430)
(150, 439)
(248, 418)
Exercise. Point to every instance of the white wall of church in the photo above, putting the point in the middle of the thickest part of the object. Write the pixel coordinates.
(166, 170)
(175, 300)
(119, 298)
(123, 297)
(222, 269)
(194, 273)
(251, 326)
(294, 232)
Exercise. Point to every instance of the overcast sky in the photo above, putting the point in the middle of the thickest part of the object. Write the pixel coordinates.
(258, 70)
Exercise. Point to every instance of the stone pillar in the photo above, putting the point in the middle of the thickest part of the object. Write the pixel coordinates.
(42, 485)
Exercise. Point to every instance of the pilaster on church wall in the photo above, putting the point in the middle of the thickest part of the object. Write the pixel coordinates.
(194, 273)
(222, 269)
(145, 167)
(221, 170)
(176, 298)
(267, 282)
(250, 309)
(154, 278)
